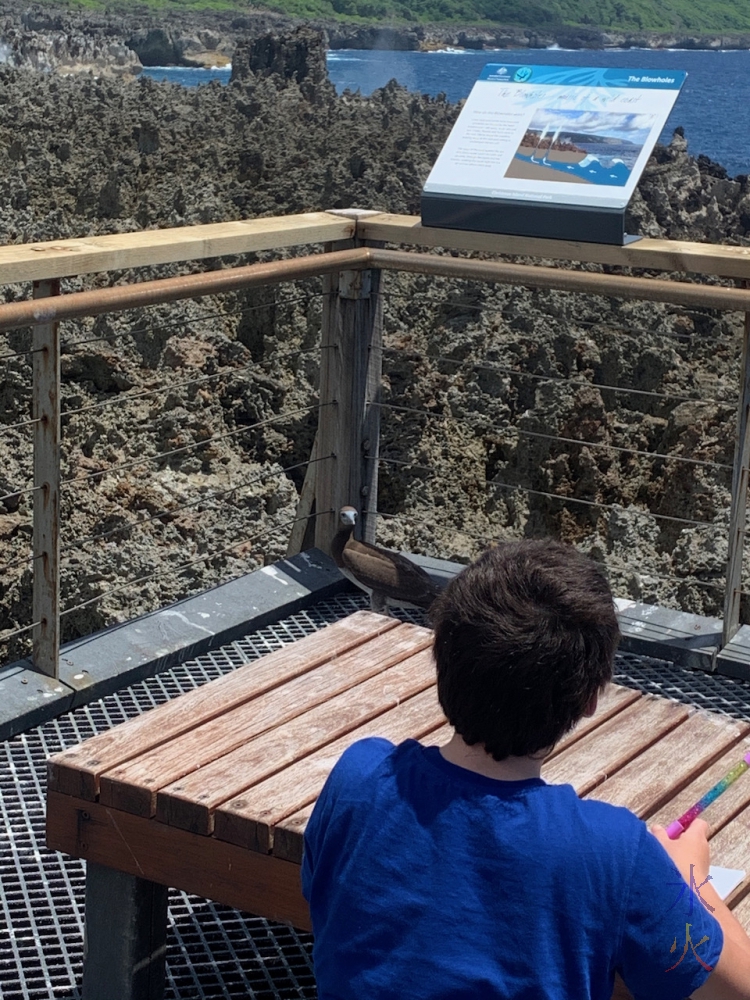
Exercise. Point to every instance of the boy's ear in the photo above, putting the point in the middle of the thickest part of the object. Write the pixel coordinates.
(591, 707)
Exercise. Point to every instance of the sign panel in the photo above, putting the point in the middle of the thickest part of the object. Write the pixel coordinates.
(557, 134)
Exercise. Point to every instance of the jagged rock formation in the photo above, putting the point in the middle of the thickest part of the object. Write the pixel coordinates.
(119, 43)
(48, 44)
(497, 371)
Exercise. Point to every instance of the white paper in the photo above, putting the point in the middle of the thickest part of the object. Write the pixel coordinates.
(725, 880)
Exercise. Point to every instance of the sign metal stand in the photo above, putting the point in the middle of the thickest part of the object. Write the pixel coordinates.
(549, 151)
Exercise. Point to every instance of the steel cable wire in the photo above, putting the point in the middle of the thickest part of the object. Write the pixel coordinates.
(487, 366)
(22, 354)
(557, 437)
(168, 324)
(705, 584)
(21, 423)
(20, 493)
(192, 562)
(21, 561)
(551, 496)
(126, 396)
(81, 480)
(190, 321)
(604, 506)
(620, 448)
(19, 631)
(459, 306)
(170, 511)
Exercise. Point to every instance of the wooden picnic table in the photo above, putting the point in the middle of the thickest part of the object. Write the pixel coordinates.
(211, 792)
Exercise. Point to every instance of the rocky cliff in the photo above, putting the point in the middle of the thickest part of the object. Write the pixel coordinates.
(120, 43)
(46, 42)
(624, 409)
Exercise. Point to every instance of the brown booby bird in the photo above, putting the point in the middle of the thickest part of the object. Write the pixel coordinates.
(388, 577)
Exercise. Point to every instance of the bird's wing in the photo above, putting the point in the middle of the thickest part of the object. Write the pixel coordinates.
(389, 573)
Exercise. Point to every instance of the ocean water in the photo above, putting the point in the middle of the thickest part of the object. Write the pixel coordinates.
(713, 108)
(187, 76)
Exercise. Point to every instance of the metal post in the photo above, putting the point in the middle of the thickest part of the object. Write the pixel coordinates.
(740, 476)
(350, 375)
(126, 936)
(45, 344)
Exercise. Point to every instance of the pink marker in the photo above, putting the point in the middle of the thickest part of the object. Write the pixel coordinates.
(680, 825)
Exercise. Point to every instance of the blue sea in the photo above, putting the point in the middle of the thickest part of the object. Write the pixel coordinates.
(713, 108)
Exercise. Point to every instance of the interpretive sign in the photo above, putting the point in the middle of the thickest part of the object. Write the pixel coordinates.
(552, 151)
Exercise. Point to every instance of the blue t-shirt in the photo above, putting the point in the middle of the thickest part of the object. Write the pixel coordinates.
(428, 881)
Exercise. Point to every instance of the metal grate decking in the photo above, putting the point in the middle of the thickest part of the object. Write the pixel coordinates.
(213, 951)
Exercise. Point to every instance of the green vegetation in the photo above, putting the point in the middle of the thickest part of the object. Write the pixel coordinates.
(648, 15)
(686, 16)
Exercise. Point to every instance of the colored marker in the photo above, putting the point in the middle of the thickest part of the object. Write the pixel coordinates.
(680, 825)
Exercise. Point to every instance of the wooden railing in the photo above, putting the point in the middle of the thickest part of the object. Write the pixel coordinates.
(349, 417)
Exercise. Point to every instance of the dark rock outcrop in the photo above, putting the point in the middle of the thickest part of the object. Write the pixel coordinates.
(298, 58)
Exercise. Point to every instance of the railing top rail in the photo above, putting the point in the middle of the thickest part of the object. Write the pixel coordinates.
(30, 312)
(65, 258)
(661, 255)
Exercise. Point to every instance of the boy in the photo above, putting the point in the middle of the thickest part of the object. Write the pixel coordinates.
(455, 872)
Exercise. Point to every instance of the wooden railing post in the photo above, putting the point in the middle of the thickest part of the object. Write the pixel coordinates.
(45, 344)
(738, 511)
(350, 373)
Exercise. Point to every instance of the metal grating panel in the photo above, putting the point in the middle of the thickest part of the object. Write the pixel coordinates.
(213, 951)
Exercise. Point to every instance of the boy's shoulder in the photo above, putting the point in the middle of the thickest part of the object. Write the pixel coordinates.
(583, 821)
(362, 758)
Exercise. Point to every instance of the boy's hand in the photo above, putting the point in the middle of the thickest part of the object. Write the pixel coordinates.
(729, 978)
(690, 848)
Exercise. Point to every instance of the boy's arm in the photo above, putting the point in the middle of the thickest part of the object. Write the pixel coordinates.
(730, 978)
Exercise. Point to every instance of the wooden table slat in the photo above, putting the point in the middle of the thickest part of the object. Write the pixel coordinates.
(249, 819)
(133, 786)
(741, 910)
(590, 762)
(76, 771)
(656, 775)
(189, 802)
(439, 736)
(734, 800)
(613, 701)
(288, 834)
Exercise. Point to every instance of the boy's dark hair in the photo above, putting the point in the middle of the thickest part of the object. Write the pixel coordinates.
(524, 637)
